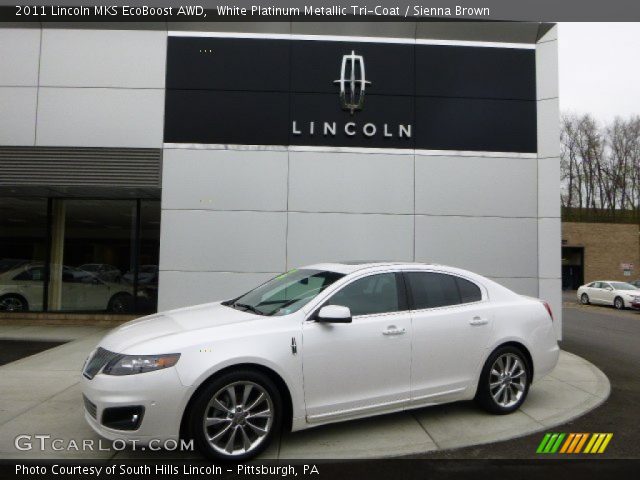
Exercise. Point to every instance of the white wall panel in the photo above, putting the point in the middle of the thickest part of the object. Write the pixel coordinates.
(549, 247)
(496, 247)
(19, 56)
(18, 115)
(547, 70)
(182, 289)
(548, 128)
(326, 237)
(103, 58)
(549, 187)
(476, 186)
(201, 240)
(350, 182)
(523, 286)
(224, 180)
(100, 117)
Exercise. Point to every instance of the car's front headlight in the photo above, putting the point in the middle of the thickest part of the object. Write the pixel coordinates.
(132, 364)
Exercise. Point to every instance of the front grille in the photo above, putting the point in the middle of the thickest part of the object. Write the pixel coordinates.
(90, 406)
(98, 360)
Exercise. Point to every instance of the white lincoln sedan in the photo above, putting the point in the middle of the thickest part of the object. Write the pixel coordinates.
(618, 294)
(315, 345)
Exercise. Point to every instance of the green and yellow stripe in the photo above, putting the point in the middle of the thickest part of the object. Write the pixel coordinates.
(574, 443)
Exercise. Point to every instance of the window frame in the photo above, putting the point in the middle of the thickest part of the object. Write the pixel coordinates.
(483, 291)
(402, 293)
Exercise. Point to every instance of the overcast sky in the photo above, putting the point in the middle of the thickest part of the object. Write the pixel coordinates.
(600, 68)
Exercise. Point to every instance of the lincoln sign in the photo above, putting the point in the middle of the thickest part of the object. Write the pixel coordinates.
(285, 91)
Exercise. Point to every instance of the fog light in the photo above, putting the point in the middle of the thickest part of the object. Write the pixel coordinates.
(123, 418)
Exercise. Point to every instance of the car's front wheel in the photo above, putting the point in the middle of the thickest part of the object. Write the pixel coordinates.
(236, 416)
(584, 299)
(618, 302)
(504, 381)
(13, 303)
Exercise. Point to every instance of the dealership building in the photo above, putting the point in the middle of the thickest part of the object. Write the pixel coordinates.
(153, 166)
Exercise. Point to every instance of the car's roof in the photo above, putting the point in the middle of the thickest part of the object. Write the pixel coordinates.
(353, 266)
(608, 281)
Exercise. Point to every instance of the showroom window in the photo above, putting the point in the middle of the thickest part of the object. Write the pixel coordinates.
(23, 253)
(79, 255)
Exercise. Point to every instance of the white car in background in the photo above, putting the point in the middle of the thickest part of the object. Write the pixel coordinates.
(605, 292)
(21, 290)
(317, 345)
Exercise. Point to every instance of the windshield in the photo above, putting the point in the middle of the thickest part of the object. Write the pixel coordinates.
(623, 286)
(286, 293)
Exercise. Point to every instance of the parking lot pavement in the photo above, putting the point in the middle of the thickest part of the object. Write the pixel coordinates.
(40, 394)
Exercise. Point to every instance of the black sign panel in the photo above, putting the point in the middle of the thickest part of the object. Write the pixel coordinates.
(226, 117)
(228, 64)
(386, 122)
(394, 95)
(315, 66)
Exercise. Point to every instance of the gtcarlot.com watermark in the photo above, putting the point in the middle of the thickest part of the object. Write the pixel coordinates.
(47, 442)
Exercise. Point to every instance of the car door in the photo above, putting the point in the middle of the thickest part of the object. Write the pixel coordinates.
(451, 324)
(608, 293)
(595, 292)
(362, 366)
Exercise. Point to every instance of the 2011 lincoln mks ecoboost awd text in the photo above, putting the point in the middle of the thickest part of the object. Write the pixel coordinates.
(315, 345)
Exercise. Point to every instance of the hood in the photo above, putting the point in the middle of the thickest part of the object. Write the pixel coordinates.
(173, 322)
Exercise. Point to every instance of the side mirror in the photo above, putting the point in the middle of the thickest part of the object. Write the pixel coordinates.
(609, 289)
(334, 314)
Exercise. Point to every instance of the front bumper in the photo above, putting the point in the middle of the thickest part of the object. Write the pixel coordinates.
(160, 393)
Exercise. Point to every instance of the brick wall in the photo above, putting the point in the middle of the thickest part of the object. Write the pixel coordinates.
(606, 246)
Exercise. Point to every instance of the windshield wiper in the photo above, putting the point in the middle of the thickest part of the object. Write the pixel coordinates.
(248, 307)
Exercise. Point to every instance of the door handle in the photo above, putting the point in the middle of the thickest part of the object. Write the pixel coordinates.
(475, 321)
(392, 330)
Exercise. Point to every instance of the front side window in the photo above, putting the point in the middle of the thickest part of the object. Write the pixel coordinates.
(34, 274)
(286, 293)
(432, 290)
(369, 295)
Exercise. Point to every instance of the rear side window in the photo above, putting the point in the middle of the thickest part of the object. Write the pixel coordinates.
(432, 290)
(469, 292)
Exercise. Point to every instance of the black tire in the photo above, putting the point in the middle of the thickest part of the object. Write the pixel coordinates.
(485, 394)
(201, 409)
(618, 303)
(12, 302)
(120, 303)
(584, 299)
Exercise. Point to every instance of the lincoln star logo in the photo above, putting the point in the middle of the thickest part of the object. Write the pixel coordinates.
(352, 82)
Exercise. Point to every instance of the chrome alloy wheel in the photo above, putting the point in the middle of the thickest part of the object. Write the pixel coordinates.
(507, 380)
(238, 418)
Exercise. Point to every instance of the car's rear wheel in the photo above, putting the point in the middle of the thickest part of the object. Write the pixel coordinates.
(13, 303)
(584, 299)
(618, 302)
(120, 303)
(504, 381)
(236, 416)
